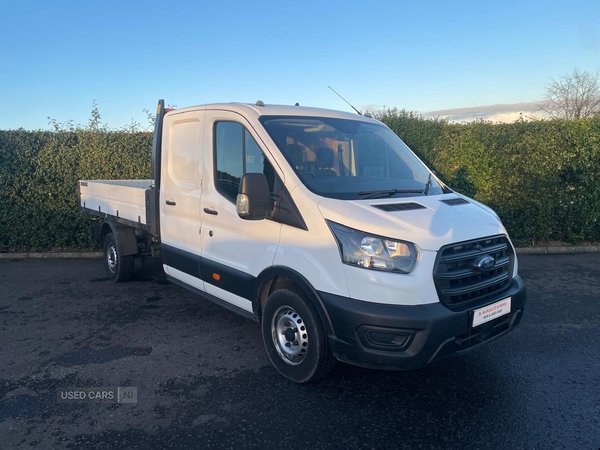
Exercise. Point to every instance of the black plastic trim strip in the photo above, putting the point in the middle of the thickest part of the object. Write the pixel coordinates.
(153, 210)
(157, 144)
(181, 260)
(218, 301)
(288, 213)
(239, 283)
(230, 279)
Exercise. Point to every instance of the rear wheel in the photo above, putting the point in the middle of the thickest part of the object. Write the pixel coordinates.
(118, 267)
(294, 337)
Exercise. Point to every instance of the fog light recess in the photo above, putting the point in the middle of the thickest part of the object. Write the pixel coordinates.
(384, 338)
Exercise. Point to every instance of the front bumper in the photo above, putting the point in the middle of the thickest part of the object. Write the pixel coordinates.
(387, 336)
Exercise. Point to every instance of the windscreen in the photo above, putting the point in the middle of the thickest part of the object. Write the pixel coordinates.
(349, 159)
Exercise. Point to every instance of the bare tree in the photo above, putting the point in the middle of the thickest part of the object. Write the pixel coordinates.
(575, 95)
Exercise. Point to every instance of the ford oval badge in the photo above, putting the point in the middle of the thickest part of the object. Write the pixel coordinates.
(485, 262)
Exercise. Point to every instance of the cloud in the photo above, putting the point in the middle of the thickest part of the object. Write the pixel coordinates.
(495, 113)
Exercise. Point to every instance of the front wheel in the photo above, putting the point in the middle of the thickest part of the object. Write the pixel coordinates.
(294, 337)
(118, 267)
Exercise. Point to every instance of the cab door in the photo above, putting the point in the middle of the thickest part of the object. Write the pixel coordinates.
(180, 196)
(234, 251)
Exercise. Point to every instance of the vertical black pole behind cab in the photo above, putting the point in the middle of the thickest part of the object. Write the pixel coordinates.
(157, 143)
(153, 194)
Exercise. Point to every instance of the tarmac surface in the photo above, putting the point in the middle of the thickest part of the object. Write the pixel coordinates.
(203, 379)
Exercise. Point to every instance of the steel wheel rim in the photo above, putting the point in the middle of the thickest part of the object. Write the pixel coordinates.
(111, 257)
(290, 335)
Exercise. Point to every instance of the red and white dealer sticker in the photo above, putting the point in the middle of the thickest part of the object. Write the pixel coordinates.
(491, 312)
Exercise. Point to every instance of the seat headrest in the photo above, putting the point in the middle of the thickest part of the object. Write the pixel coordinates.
(324, 157)
(295, 154)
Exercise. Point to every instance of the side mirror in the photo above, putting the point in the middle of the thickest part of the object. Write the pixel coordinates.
(253, 200)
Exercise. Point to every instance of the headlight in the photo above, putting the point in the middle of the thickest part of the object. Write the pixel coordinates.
(361, 249)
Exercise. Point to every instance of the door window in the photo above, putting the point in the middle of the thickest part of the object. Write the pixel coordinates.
(237, 153)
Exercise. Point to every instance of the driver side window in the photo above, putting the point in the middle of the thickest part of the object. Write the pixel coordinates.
(237, 153)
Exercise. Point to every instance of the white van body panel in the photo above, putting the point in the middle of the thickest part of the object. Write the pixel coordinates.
(375, 286)
(181, 178)
(430, 228)
(187, 279)
(230, 298)
(314, 253)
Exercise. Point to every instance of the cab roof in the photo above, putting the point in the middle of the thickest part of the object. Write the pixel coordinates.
(276, 110)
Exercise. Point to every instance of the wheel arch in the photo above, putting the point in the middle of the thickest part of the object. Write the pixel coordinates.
(125, 236)
(278, 277)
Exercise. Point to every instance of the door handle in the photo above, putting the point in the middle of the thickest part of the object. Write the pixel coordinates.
(170, 203)
(211, 211)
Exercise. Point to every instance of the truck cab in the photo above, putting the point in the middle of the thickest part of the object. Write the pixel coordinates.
(324, 227)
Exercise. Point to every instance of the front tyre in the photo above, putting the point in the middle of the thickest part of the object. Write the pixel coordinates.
(294, 337)
(118, 267)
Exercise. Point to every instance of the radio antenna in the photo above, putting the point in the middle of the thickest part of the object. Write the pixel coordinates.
(357, 111)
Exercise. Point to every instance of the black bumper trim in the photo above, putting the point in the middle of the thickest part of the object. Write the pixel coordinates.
(434, 328)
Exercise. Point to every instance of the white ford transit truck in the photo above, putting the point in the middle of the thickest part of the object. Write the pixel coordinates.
(322, 226)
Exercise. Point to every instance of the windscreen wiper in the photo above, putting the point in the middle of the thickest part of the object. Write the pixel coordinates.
(389, 192)
(428, 185)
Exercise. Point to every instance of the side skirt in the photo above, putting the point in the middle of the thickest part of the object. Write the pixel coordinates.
(218, 301)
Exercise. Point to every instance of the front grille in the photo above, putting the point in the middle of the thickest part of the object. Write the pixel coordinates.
(407, 206)
(460, 283)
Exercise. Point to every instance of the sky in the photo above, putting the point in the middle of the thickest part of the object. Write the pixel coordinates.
(58, 57)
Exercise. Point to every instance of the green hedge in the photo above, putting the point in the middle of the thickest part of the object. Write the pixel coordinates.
(38, 182)
(543, 177)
